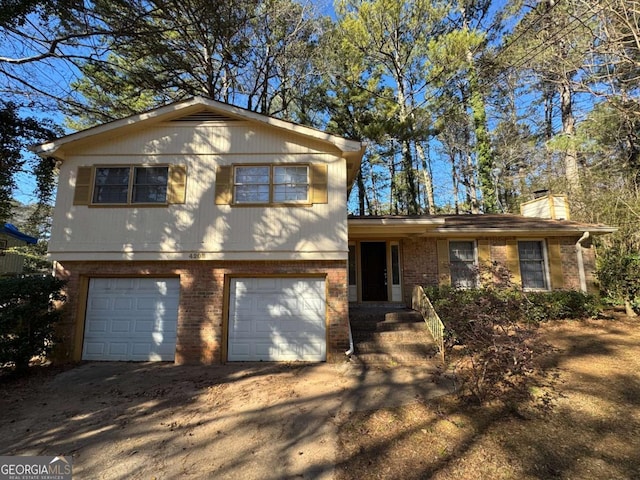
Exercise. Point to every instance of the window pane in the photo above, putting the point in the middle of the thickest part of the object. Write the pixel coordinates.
(252, 193)
(251, 184)
(352, 264)
(290, 175)
(150, 185)
(532, 265)
(463, 264)
(290, 184)
(252, 175)
(111, 185)
(395, 265)
(290, 193)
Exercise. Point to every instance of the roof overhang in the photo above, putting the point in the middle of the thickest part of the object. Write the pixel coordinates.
(363, 227)
(448, 226)
(351, 150)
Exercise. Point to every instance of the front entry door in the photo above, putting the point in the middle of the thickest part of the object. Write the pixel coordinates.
(373, 257)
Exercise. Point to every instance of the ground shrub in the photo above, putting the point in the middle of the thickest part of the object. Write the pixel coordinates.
(27, 318)
(492, 336)
(557, 305)
(618, 272)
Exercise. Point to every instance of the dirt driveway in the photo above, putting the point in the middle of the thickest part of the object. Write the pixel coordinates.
(262, 421)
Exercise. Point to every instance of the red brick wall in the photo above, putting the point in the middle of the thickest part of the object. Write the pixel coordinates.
(200, 311)
(420, 263)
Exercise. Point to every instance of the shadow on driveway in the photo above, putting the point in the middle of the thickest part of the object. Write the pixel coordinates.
(146, 420)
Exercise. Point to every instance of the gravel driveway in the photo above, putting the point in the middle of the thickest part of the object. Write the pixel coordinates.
(158, 420)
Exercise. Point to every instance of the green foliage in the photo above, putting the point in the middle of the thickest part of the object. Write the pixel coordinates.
(558, 305)
(34, 258)
(253, 53)
(27, 318)
(493, 332)
(520, 306)
(16, 133)
(618, 272)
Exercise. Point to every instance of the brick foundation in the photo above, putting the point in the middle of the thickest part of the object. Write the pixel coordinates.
(202, 301)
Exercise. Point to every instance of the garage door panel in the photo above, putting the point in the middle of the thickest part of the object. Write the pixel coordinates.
(117, 349)
(120, 326)
(263, 326)
(266, 350)
(242, 326)
(131, 319)
(144, 326)
(268, 319)
(96, 326)
(99, 303)
(240, 350)
(123, 303)
(94, 348)
(312, 348)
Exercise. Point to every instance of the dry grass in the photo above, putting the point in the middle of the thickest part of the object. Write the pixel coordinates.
(591, 430)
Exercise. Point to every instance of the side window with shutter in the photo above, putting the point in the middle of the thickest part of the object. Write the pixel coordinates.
(130, 185)
(268, 184)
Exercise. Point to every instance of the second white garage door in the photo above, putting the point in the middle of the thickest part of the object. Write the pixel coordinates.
(132, 319)
(277, 319)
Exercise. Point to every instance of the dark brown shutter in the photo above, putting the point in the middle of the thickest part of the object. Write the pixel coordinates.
(224, 185)
(177, 186)
(82, 192)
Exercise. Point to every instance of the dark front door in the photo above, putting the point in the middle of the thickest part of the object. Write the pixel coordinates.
(373, 258)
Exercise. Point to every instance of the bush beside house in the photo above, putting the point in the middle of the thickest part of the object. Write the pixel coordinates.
(27, 318)
(492, 336)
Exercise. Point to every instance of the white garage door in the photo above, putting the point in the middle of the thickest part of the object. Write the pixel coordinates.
(131, 319)
(277, 319)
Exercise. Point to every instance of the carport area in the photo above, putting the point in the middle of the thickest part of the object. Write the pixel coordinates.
(160, 420)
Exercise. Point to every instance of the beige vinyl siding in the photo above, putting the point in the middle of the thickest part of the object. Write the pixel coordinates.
(238, 139)
(200, 225)
(548, 206)
(11, 262)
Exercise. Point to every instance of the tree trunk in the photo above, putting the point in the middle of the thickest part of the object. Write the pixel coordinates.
(427, 178)
(483, 143)
(362, 193)
(629, 309)
(569, 130)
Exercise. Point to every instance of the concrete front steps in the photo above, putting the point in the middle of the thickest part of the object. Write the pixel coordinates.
(390, 335)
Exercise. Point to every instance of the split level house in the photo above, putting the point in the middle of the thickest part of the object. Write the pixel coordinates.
(200, 232)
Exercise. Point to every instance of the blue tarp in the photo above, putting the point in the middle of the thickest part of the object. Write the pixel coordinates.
(10, 229)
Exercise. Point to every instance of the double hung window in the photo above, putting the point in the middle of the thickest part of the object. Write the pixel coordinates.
(462, 259)
(130, 185)
(271, 184)
(533, 268)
